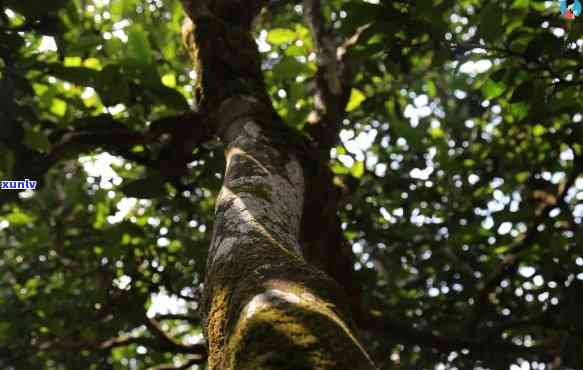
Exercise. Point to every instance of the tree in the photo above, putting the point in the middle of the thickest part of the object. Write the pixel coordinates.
(402, 184)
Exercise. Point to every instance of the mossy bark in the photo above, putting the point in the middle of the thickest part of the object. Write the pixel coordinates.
(264, 306)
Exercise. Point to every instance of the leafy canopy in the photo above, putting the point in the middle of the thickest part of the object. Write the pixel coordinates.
(460, 158)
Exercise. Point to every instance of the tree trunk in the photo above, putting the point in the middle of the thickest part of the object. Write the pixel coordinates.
(264, 306)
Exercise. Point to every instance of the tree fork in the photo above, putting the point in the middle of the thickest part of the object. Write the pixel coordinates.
(264, 306)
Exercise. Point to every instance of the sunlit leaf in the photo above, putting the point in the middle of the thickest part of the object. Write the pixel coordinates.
(280, 36)
(355, 100)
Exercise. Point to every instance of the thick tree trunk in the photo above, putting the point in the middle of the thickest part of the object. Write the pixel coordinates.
(264, 306)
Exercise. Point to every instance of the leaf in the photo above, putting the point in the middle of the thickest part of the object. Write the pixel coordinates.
(59, 107)
(92, 63)
(357, 169)
(430, 88)
(436, 132)
(539, 130)
(169, 80)
(492, 89)
(519, 110)
(36, 139)
(520, 4)
(18, 217)
(139, 46)
(355, 100)
(73, 62)
(149, 187)
(340, 169)
(491, 26)
(295, 51)
(278, 36)
(288, 68)
(521, 177)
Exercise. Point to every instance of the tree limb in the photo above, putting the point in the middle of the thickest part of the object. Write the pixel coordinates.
(384, 325)
(170, 344)
(170, 366)
(511, 260)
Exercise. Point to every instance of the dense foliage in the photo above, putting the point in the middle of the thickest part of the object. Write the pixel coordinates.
(460, 164)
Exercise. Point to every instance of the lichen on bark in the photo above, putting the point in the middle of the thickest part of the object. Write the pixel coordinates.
(264, 306)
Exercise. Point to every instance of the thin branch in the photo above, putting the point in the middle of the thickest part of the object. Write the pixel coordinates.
(183, 317)
(326, 48)
(170, 344)
(170, 366)
(511, 260)
(386, 326)
(332, 90)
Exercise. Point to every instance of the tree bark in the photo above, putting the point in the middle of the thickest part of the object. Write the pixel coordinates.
(264, 306)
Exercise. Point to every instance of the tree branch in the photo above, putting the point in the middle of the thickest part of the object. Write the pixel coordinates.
(511, 260)
(184, 317)
(384, 325)
(170, 366)
(186, 131)
(332, 90)
(169, 344)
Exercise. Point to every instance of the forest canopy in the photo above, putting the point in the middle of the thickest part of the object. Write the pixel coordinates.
(458, 160)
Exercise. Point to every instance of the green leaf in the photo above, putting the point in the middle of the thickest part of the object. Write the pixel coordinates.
(430, 88)
(491, 26)
(36, 139)
(149, 187)
(519, 110)
(355, 100)
(357, 169)
(436, 132)
(278, 36)
(59, 107)
(521, 4)
(288, 68)
(492, 89)
(295, 51)
(539, 130)
(169, 80)
(18, 217)
(340, 169)
(522, 176)
(139, 45)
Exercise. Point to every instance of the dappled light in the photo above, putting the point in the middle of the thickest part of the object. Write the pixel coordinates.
(426, 157)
